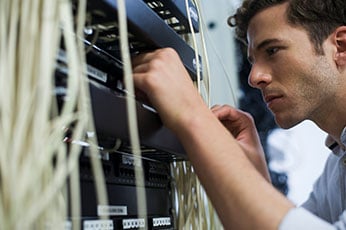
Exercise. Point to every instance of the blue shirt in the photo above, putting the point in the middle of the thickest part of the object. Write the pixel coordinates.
(326, 206)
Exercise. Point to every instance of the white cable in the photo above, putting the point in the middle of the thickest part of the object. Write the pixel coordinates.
(194, 42)
(99, 183)
(194, 210)
(33, 190)
(222, 64)
(131, 110)
(205, 59)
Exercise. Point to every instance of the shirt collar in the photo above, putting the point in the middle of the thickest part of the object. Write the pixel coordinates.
(333, 145)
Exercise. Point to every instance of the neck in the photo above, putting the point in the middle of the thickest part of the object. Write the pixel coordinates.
(332, 122)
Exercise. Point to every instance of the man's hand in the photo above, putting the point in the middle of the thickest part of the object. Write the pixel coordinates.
(162, 78)
(241, 125)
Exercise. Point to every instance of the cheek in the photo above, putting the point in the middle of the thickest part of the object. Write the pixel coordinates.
(303, 91)
(315, 85)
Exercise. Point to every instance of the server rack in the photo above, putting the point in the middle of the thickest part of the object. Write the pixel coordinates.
(152, 24)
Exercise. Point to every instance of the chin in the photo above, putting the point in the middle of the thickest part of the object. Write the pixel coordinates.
(286, 123)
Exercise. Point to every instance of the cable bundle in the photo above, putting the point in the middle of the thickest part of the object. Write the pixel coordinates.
(193, 209)
(35, 162)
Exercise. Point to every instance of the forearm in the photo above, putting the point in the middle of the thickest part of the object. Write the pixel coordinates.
(242, 197)
(240, 194)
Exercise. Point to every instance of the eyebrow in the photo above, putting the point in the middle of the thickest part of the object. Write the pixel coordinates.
(263, 44)
(267, 42)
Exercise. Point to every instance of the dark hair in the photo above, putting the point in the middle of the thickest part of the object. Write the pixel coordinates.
(318, 17)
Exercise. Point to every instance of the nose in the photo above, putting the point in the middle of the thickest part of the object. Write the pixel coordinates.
(259, 78)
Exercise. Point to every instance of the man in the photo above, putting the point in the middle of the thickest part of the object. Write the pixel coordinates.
(298, 55)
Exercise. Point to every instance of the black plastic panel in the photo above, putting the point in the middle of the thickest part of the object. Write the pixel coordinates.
(111, 119)
(148, 27)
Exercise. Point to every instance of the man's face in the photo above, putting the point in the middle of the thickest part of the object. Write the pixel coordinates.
(296, 83)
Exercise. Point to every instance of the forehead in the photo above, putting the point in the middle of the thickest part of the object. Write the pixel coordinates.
(270, 26)
(267, 24)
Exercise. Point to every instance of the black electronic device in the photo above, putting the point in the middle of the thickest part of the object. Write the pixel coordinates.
(176, 13)
(108, 103)
(152, 24)
(122, 210)
(147, 29)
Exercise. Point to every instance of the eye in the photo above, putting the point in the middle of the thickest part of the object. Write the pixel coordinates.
(272, 50)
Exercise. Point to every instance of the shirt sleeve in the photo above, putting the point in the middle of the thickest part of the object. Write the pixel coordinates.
(341, 224)
(301, 219)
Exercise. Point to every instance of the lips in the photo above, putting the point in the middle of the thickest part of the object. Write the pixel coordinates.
(269, 98)
(272, 99)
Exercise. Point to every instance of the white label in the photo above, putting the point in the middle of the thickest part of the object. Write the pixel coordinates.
(131, 160)
(133, 223)
(98, 225)
(91, 71)
(194, 63)
(97, 74)
(62, 68)
(126, 160)
(111, 210)
(62, 56)
(161, 221)
(193, 13)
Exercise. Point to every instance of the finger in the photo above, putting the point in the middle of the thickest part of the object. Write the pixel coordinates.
(142, 58)
(224, 111)
(215, 107)
(140, 81)
(140, 68)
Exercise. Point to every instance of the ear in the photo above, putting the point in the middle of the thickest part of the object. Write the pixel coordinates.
(340, 43)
